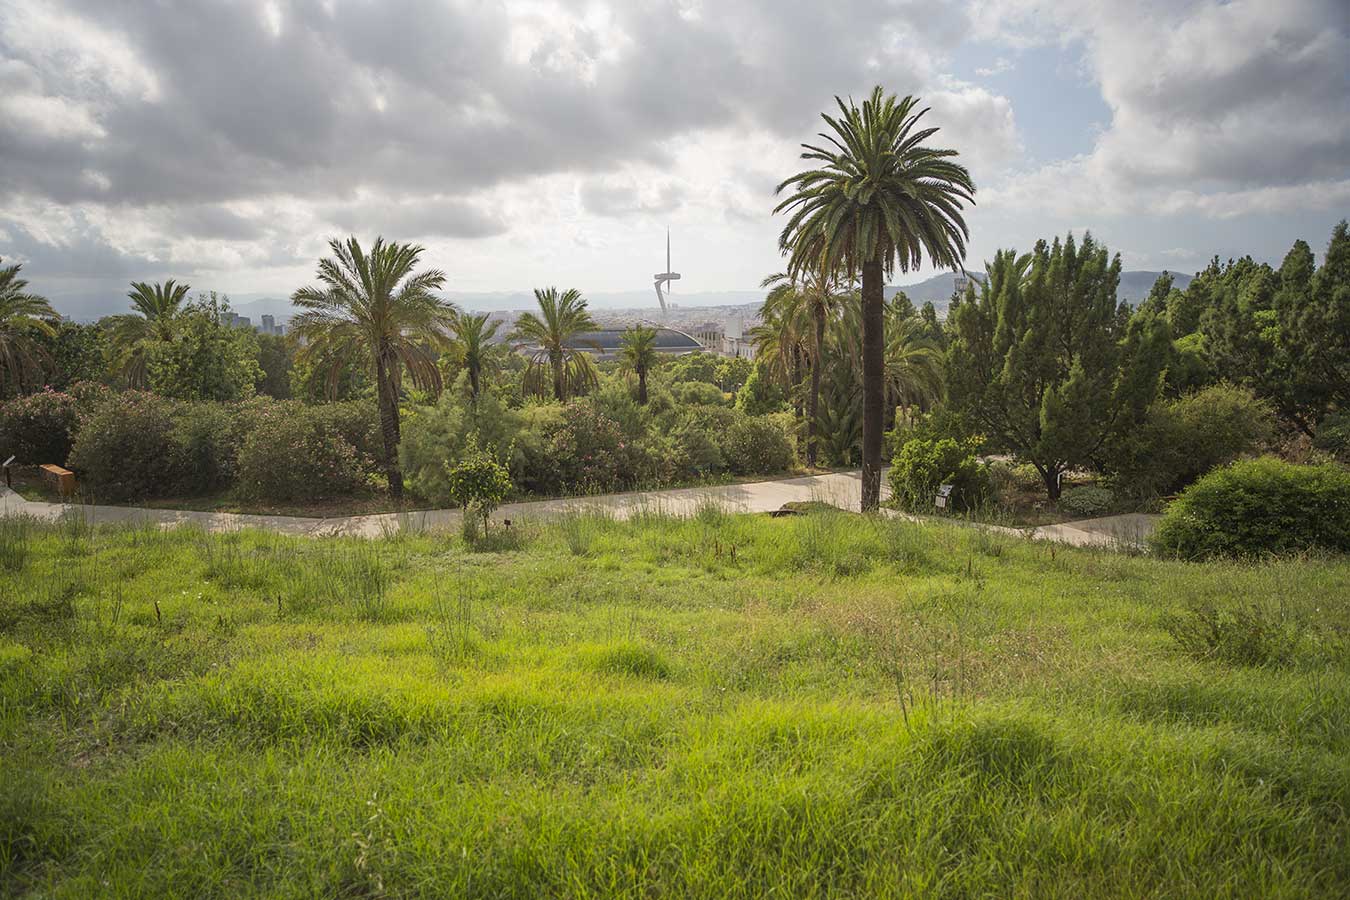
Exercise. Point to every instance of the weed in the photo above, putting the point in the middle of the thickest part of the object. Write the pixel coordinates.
(15, 534)
(1244, 634)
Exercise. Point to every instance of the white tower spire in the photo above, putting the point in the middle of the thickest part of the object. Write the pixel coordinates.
(666, 277)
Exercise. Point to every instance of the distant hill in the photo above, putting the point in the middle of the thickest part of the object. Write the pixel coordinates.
(1134, 287)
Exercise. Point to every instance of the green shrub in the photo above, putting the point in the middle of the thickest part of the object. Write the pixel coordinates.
(699, 453)
(358, 421)
(923, 465)
(435, 437)
(38, 428)
(478, 483)
(758, 445)
(760, 394)
(289, 454)
(1259, 507)
(126, 447)
(206, 438)
(1182, 439)
(1087, 502)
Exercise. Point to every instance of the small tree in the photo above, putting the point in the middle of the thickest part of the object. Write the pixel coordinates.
(478, 482)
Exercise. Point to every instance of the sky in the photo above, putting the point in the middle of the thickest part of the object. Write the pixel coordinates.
(527, 143)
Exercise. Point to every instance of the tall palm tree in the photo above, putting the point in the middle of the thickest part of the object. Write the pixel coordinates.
(551, 335)
(877, 197)
(819, 296)
(473, 350)
(155, 309)
(638, 354)
(371, 308)
(23, 317)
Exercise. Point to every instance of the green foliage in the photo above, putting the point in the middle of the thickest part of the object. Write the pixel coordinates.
(79, 352)
(589, 453)
(557, 366)
(1087, 502)
(290, 453)
(477, 482)
(1189, 368)
(923, 465)
(697, 367)
(370, 311)
(1045, 364)
(204, 360)
(126, 449)
(25, 324)
(277, 364)
(758, 445)
(732, 373)
(436, 437)
(38, 428)
(760, 394)
(1262, 507)
(698, 393)
(1333, 435)
(1182, 439)
(206, 441)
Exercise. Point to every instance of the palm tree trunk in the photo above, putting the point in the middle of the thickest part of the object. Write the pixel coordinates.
(642, 385)
(814, 400)
(874, 381)
(473, 383)
(557, 363)
(389, 430)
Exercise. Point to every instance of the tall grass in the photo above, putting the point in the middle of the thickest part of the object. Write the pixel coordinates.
(719, 705)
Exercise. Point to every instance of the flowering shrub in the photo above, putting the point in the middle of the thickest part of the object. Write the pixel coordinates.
(38, 428)
(290, 455)
(589, 452)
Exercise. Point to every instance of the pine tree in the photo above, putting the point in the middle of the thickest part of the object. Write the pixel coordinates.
(1044, 361)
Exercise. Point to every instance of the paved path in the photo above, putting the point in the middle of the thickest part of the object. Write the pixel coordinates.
(842, 489)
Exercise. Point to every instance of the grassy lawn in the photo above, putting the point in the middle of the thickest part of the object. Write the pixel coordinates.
(813, 706)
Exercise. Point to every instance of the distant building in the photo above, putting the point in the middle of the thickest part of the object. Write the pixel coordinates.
(234, 320)
(725, 340)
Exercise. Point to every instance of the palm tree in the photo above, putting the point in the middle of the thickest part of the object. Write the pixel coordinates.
(914, 374)
(819, 296)
(473, 349)
(875, 198)
(778, 336)
(638, 354)
(155, 311)
(549, 337)
(371, 308)
(22, 322)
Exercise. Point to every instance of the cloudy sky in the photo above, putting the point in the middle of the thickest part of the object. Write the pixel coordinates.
(533, 142)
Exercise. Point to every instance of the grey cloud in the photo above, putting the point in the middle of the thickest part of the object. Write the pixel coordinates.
(419, 218)
(618, 199)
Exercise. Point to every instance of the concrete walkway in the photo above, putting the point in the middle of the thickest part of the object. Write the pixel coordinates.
(842, 489)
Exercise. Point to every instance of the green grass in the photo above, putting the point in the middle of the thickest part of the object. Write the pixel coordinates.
(813, 706)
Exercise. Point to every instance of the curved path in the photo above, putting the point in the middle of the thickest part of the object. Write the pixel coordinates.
(842, 489)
